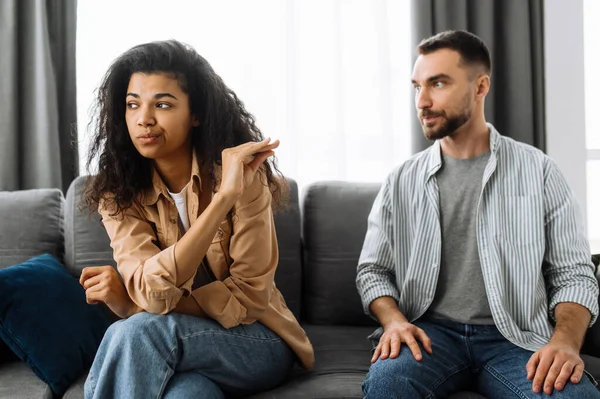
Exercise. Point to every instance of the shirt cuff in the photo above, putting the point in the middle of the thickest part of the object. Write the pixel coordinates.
(579, 296)
(378, 291)
(217, 301)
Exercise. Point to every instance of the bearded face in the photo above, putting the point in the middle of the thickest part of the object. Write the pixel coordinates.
(440, 123)
(445, 93)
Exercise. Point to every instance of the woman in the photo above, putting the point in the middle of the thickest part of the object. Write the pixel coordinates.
(185, 189)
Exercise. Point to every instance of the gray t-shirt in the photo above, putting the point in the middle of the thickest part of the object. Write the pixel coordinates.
(460, 294)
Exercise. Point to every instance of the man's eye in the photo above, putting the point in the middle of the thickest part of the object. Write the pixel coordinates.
(438, 84)
(417, 88)
(163, 105)
(132, 105)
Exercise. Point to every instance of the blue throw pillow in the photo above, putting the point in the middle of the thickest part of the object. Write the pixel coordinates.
(46, 322)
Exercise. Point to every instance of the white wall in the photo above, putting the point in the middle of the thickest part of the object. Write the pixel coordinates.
(565, 95)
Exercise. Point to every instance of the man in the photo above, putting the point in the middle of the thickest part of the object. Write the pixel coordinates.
(475, 252)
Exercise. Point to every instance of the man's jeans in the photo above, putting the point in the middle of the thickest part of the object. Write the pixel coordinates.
(465, 357)
(179, 356)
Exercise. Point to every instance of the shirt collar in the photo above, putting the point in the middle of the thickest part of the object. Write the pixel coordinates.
(159, 188)
(434, 161)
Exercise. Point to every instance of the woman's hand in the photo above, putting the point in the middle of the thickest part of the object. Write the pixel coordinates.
(240, 165)
(102, 284)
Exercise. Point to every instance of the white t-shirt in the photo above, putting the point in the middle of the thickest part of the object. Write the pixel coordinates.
(180, 201)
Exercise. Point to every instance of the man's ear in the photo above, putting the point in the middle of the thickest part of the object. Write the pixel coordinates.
(195, 122)
(483, 85)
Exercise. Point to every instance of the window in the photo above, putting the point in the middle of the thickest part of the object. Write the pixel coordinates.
(592, 105)
(330, 78)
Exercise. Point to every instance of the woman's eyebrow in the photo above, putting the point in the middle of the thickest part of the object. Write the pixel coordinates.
(157, 96)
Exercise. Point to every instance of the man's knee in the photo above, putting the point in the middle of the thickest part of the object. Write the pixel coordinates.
(394, 378)
(391, 368)
(584, 389)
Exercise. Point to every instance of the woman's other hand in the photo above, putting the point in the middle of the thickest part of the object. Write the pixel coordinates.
(102, 284)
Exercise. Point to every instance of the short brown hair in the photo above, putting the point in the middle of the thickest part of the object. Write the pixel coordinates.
(471, 48)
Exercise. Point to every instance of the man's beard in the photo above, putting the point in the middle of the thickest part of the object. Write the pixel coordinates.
(447, 126)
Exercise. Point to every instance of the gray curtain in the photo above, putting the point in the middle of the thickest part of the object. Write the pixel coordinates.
(37, 88)
(513, 31)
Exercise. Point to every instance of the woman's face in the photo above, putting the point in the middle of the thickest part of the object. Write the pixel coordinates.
(158, 116)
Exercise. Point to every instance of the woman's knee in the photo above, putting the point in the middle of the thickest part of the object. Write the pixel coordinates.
(136, 326)
(192, 384)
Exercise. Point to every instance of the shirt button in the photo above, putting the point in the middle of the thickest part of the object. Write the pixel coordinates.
(434, 265)
(173, 220)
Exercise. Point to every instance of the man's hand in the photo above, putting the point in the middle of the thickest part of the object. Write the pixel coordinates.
(558, 362)
(398, 332)
(553, 366)
(102, 284)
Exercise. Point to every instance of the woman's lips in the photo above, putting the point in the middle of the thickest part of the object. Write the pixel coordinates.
(148, 138)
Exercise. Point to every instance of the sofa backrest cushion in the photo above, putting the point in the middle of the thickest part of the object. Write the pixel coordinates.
(31, 224)
(86, 241)
(334, 227)
(288, 277)
(87, 244)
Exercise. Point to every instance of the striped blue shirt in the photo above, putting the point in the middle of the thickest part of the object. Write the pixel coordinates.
(531, 239)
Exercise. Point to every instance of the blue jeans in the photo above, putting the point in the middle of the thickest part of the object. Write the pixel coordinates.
(465, 357)
(180, 356)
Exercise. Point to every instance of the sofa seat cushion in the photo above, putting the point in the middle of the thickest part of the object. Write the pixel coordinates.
(592, 366)
(75, 391)
(17, 381)
(342, 357)
(46, 322)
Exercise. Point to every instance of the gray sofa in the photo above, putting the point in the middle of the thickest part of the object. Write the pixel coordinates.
(319, 246)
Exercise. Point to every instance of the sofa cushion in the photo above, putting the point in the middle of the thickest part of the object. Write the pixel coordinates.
(342, 359)
(335, 223)
(19, 382)
(46, 322)
(31, 224)
(86, 241)
(289, 271)
(76, 389)
(592, 366)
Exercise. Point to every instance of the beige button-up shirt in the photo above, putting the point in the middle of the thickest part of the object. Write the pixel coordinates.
(243, 257)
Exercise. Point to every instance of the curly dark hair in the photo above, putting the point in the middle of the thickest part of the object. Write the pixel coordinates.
(123, 172)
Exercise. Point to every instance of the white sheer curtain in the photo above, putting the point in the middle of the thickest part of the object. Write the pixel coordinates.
(329, 78)
(592, 104)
